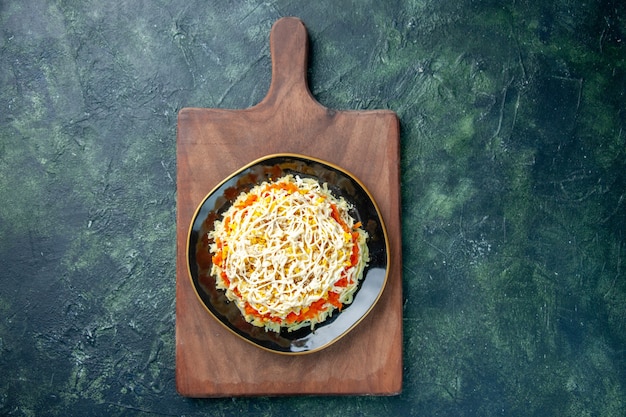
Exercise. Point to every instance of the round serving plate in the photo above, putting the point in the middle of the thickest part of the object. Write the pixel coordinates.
(341, 184)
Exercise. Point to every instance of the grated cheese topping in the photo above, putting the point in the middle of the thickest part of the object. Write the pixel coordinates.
(288, 253)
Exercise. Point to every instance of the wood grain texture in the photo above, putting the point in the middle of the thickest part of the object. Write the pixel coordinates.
(213, 143)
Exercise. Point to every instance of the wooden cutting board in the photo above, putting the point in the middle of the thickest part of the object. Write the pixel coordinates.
(213, 143)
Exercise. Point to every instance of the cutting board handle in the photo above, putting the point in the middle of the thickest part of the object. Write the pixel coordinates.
(289, 51)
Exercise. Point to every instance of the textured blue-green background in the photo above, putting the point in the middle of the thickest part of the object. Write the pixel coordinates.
(513, 183)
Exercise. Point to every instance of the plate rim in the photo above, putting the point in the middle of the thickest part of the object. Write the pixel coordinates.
(319, 161)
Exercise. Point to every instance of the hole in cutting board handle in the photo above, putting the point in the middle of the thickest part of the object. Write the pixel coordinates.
(289, 45)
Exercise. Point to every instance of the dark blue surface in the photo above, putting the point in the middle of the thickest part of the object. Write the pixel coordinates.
(513, 195)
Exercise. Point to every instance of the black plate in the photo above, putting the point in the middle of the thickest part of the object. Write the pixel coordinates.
(341, 184)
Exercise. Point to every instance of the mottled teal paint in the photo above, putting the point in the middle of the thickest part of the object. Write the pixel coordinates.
(513, 195)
